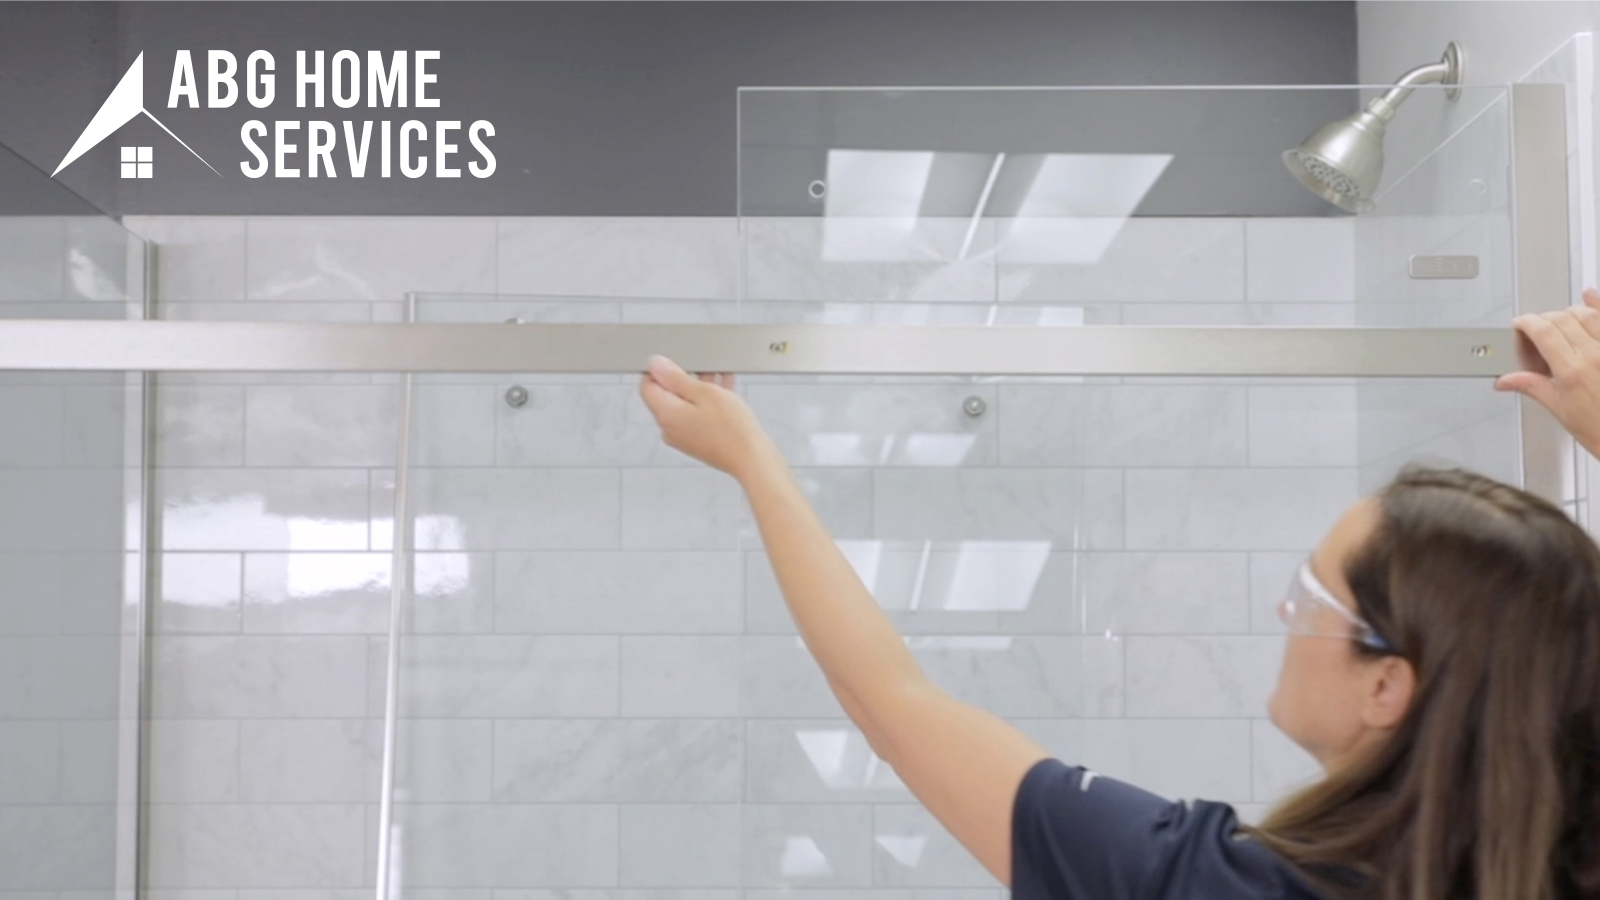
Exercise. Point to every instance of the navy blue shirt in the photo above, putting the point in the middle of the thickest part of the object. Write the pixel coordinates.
(1076, 835)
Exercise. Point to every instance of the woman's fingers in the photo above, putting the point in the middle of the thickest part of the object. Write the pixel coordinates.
(1556, 356)
(1529, 384)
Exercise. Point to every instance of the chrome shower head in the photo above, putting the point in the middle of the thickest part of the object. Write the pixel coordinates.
(1342, 162)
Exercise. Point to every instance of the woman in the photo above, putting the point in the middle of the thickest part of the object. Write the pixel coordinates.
(1443, 665)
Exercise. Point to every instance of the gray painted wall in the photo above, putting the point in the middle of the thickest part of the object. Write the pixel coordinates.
(623, 108)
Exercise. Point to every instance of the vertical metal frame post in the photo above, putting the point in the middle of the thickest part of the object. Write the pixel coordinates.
(150, 542)
(1540, 249)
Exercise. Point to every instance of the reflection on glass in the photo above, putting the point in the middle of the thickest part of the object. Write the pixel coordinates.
(905, 848)
(914, 205)
(803, 858)
(971, 576)
(843, 760)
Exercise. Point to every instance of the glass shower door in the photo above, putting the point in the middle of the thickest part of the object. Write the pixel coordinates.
(71, 508)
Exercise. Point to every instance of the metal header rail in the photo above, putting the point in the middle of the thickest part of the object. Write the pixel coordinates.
(76, 345)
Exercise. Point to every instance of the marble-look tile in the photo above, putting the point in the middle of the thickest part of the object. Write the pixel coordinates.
(485, 676)
(436, 760)
(1147, 260)
(842, 498)
(1270, 574)
(63, 426)
(508, 845)
(265, 509)
(680, 676)
(34, 259)
(694, 257)
(315, 761)
(1310, 425)
(202, 425)
(965, 587)
(681, 845)
(1300, 260)
(618, 761)
(1279, 765)
(199, 593)
(916, 425)
(367, 257)
(1397, 415)
(619, 894)
(1123, 425)
(1337, 315)
(290, 676)
(505, 509)
(194, 760)
(90, 750)
(1177, 758)
(618, 592)
(356, 425)
(50, 677)
(799, 846)
(1235, 509)
(61, 593)
(880, 894)
(1009, 676)
(911, 848)
(1491, 447)
(258, 845)
(102, 261)
(56, 847)
(1166, 593)
(815, 761)
(680, 509)
(579, 425)
(1205, 676)
(32, 773)
(334, 894)
(1069, 508)
(201, 258)
(53, 510)
(349, 593)
(841, 258)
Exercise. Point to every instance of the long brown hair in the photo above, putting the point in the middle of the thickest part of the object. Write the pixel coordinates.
(1489, 788)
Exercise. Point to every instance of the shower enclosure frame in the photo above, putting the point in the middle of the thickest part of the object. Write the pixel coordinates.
(1542, 283)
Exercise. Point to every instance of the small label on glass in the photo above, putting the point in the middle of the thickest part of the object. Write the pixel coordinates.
(1444, 267)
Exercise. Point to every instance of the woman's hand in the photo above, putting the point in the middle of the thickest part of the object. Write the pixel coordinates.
(704, 418)
(1561, 351)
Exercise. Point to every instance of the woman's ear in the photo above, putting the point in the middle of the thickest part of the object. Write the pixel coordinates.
(1392, 685)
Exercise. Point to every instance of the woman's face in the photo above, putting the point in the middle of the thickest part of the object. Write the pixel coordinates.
(1326, 690)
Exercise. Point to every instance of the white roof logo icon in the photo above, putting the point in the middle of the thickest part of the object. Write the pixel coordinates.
(126, 102)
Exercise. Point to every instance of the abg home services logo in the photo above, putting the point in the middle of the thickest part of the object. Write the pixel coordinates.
(340, 81)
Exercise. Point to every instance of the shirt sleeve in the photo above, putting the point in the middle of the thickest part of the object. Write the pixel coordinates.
(1076, 835)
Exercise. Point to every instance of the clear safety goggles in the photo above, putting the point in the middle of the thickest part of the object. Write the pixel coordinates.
(1300, 608)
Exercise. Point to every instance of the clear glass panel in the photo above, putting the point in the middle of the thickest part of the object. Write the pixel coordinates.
(1146, 206)
(601, 687)
(269, 640)
(71, 508)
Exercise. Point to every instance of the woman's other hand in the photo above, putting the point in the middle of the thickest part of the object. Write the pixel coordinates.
(702, 417)
(1561, 353)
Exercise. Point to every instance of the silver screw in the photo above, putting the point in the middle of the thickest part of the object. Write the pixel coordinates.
(1482, 350)
(779, 346)
(516, 396)
(818, 189)
(974, 406)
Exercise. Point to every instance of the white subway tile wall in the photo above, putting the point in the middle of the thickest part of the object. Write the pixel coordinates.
(601, 695)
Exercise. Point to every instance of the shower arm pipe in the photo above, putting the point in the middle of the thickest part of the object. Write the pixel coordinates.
(1446, 71)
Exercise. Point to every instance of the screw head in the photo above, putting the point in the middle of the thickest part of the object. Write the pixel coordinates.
(516, 396)
(974, 406)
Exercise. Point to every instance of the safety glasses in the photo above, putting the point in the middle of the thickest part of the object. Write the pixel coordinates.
(1300, 607)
